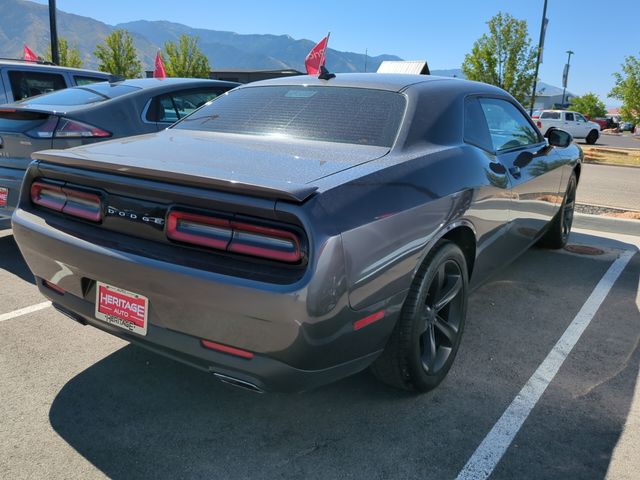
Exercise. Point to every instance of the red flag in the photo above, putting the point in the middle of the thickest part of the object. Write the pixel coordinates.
(29, 55)
(159, 71)
(317, 57)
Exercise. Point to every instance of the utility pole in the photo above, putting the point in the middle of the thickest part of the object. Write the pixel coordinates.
(53, 29)
(565, 76)
(543, 30)
(366, 51)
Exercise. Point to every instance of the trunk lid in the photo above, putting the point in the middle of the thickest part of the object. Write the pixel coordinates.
(261, 166)
(15, 146)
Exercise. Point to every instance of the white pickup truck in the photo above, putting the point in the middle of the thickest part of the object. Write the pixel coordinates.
(573, 122)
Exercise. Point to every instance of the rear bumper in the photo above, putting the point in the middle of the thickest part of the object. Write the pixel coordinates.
(11, 178)
(301, 335)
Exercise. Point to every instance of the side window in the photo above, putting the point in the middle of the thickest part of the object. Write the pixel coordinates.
(28, 84)
(171, 107)
(580, 118)
(476, 131)
(551, 115)
(508, 127)
(84, 80)
(568, 117)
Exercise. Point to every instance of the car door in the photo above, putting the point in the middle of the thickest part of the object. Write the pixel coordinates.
(571, 125)
(534, 171)
(582, 126)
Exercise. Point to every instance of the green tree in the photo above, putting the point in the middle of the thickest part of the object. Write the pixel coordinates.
(69, 56)
(627, 89)
(503, 57)
(185, 59)
(117, 55)
(589, 104)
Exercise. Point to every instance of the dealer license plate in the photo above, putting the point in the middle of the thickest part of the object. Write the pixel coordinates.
(122, 308)
(4, 196)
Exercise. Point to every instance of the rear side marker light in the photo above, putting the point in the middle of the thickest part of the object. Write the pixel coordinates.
(226, 349)
(67, 200)
(231, 236)
(363, 322)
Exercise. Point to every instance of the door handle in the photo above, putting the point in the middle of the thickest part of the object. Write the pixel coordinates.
(515, 172)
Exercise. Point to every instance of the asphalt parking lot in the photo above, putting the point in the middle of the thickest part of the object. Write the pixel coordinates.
(78, 403)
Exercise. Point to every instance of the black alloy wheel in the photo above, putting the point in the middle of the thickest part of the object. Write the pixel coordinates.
(426, 338)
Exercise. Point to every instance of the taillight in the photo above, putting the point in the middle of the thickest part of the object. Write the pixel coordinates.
(56, 127)
(44, 130)
(74, 129)
(234, 236)
(539, 124)
(67, 200)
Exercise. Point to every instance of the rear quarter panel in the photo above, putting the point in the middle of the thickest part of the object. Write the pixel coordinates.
(389, 219)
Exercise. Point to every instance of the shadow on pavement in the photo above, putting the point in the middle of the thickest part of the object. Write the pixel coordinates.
(11, 259)
(138, 415)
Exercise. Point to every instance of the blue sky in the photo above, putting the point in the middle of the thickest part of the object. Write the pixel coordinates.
(600, 33)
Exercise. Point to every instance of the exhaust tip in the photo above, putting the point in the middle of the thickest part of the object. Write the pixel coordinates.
(236, 382)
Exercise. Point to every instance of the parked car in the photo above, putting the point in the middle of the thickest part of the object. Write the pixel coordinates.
(626, 126)
(573, 122)
(295, 231)
(20, 79)
(89, 114)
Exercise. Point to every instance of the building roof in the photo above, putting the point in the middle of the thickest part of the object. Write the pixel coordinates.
(410, 66)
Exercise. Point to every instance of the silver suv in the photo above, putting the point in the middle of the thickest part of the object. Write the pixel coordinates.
(20, 79)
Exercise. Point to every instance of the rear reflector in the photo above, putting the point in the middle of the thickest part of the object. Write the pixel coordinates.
(226, 349)
(67, 200)
(363, 322)
(53, 286)
(232, 236)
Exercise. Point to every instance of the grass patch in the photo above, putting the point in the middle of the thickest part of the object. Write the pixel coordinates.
(611, 156)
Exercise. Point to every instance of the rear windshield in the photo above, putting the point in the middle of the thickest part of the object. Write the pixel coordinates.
(331, 114)
(97, 92)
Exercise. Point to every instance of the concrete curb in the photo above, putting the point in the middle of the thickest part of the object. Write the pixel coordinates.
(600, 223)
(594, 162)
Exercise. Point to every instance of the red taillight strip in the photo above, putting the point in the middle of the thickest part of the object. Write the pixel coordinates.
(232, 236)
(176, 231)
(262, 251)
(67, 200)
(363, 322)
(226, 349)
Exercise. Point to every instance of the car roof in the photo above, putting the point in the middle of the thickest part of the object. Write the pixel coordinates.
(380, 81)
(25, 65)
(146, 83)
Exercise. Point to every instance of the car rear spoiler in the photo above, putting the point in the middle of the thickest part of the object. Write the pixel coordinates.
(258, 187)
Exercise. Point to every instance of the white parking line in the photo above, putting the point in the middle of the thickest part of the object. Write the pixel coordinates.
(495, 444)
(24, 311)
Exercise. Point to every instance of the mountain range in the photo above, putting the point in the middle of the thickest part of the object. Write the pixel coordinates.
(22, 21)
(25, 22)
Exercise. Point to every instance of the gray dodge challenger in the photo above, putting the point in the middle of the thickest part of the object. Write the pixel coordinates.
(296, 231)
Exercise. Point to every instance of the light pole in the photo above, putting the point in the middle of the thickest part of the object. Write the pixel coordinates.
(53, 29)
(565, 76)
(543, 29)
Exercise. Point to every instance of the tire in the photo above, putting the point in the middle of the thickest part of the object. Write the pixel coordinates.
(558, 233)
(426, 338)
(592, 138)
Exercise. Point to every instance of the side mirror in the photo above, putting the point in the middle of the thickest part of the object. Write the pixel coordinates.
(559, 138)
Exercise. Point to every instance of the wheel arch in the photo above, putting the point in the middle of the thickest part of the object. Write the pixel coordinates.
(465, 238)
